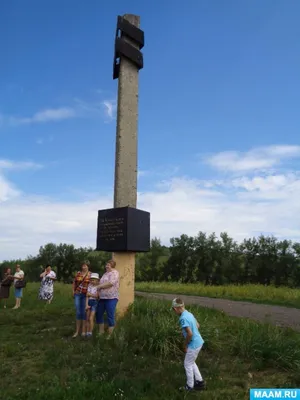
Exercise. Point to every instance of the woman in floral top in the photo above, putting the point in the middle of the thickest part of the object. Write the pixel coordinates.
(108, 297)
(47, 284)
(80, 286)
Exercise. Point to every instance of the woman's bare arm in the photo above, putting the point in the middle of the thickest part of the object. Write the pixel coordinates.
(105, 285)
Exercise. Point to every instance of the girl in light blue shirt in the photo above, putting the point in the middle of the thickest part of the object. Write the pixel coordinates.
(192, 346)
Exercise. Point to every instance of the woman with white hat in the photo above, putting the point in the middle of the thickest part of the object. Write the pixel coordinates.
(91, 303)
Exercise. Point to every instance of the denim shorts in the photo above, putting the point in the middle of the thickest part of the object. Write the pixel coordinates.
(18, 293)
(93, 304)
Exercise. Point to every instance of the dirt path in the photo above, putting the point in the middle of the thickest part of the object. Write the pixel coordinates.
(280, 316)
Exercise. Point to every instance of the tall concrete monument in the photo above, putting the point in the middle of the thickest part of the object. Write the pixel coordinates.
(125, 230)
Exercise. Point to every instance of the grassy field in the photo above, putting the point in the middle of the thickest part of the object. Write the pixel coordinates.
(143, 361)
(255, 293)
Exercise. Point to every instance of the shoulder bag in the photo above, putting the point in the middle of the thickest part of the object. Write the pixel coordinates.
(20, 283)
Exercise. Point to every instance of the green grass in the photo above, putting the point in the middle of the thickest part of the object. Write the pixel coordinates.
(143, 361)
(254, 293)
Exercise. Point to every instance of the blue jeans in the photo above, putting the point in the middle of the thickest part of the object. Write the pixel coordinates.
(108, 305)
(80, 306)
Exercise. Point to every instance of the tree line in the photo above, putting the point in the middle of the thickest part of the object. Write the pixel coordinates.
(65, 259)
(204, 258)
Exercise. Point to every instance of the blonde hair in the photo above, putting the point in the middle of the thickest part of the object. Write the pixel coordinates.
(179, 301)
(112, 263)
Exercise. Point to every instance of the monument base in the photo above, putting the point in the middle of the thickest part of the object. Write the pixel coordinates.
(125, 264)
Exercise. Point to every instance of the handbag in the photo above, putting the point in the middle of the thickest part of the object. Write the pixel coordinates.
(20, 284)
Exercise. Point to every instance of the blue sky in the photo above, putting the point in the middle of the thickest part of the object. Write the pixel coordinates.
(219, 118)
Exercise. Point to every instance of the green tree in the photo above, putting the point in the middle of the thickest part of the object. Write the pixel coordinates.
(149, 265)
(180, 263)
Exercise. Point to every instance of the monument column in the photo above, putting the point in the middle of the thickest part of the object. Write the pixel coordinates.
(125, 186)
(125, 230)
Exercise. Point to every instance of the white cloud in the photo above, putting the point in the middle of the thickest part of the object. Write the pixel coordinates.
(78, 109)
(159, 173)
(47, 115)
(110, 108)
(43, 140)
(268, 184)
(255, 159)
(10, 165)
(142, 173)
(263, 184)
(54, 114)
(7, 192)
(243, 206)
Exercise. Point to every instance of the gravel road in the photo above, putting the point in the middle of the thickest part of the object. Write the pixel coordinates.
(277, 315)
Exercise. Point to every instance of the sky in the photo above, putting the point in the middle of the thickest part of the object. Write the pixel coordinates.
(218, 137)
